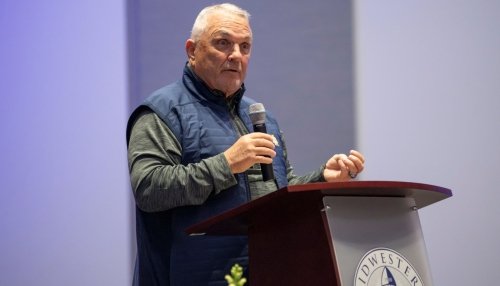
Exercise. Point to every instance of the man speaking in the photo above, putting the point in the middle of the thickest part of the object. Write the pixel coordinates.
(192, 154)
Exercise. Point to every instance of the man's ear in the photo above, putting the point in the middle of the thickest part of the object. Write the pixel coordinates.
(190, 47)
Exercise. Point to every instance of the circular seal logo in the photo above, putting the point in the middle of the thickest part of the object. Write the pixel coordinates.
(386, 267)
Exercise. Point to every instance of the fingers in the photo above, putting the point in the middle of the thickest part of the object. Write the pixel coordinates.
(347, 165)
(250, 149)
(358, 155)
(262, 138)
(358, 160)
(336, 169)
(337, 162)
(344, 169)
(260, 145)
(263, 153)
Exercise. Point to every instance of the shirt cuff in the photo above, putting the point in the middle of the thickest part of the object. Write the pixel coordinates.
(322, 173)
(222, 176)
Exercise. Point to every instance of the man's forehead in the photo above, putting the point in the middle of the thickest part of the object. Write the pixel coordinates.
(224, 32)
(227, 24)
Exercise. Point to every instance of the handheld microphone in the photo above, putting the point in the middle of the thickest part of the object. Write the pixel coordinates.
(257, 114)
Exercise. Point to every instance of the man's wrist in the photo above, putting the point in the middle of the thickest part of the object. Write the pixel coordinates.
(322, 173)
(221, 172)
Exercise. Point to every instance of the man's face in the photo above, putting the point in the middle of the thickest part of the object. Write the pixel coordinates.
(220, 57)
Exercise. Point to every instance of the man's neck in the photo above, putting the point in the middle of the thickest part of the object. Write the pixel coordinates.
(217, 92)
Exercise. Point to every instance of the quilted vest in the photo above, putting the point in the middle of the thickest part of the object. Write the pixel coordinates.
(202, 123)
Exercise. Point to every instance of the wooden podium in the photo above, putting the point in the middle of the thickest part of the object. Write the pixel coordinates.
(333, 233)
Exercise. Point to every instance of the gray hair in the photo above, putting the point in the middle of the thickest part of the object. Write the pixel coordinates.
(200, 24)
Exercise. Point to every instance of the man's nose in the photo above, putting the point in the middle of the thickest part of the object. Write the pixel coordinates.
(235, 53)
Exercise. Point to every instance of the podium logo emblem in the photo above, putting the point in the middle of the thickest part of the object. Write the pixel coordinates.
(386, 267)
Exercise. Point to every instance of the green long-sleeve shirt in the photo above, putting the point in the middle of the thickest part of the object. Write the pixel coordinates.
(161, 182)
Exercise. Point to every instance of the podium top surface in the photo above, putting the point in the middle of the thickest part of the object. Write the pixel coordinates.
(237, 220)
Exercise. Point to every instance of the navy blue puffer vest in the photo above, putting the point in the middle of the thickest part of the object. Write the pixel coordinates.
(202, 124)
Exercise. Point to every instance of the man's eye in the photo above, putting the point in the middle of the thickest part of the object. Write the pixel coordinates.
(245, 47)
(223, 43)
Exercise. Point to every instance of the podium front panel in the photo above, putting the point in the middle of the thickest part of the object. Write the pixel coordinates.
(377, 241)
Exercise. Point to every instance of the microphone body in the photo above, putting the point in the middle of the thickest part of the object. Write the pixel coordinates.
(258, 116)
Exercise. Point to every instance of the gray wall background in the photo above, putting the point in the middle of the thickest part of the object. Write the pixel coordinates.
(301, 66)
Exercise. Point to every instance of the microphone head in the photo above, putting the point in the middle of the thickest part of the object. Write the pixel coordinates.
(257, 113)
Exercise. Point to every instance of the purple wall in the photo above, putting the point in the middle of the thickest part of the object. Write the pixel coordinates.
(429, 85)
(64, 207)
